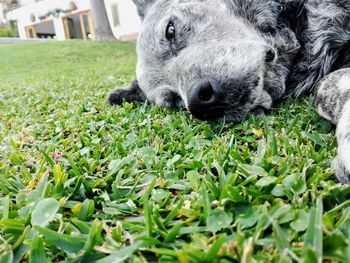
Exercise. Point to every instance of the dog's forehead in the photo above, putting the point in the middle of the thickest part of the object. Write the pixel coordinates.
(187, 11)
(163, 7)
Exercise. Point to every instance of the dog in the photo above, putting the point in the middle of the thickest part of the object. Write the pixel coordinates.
(225, 58)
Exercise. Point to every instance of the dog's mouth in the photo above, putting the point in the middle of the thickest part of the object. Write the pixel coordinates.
(211, 113)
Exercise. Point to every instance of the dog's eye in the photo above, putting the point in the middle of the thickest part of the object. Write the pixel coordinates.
(170, 32)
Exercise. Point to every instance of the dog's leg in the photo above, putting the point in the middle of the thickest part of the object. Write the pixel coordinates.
(161, 97)
(342, 161)
(333, 103)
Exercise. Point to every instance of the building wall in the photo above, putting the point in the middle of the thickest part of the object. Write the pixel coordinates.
(25, 2)
(128, 18)
(22, 14)
(2, 18)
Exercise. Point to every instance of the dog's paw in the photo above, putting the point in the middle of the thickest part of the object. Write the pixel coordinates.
(131, 94)
(341, 171)
(115, 97)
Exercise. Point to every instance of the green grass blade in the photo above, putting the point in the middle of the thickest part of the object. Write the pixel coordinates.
(213, 252)
(122, 254)
(148, 209)
(174, 212)
(67, 243)
(6, 257)
(318, 239)
(281, 240)
(93, 237)
(173, 233)
(37, 252)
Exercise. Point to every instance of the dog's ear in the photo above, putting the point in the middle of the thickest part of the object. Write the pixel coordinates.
(142, 6)
(131, 94)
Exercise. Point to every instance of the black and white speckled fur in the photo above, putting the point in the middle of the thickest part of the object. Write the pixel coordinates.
(326, 42)
(311, 38)
(228, 40)
(222, 40)
(333, 103)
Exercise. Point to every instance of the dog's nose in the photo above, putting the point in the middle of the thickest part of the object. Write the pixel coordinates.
(205, 101)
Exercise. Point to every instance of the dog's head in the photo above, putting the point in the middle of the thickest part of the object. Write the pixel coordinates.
(202, 55)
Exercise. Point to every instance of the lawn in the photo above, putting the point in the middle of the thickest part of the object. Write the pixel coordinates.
(81, 181)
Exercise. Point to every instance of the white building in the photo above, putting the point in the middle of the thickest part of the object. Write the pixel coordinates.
(2, 18)
(67, 19)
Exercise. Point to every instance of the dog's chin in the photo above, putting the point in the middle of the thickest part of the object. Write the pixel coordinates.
(234, 116)
(256, 106)
(238, 115)
(213, 115)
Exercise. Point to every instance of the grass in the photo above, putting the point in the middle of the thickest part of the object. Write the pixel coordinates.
(81, 181)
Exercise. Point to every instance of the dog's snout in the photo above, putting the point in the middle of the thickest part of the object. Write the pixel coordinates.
(205, 100)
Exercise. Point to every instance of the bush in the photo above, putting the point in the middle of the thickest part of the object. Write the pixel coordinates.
(7, 31)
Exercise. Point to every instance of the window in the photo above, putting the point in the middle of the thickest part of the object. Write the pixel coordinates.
(115, 14)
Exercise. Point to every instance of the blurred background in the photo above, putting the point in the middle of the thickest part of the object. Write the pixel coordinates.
(28, 20)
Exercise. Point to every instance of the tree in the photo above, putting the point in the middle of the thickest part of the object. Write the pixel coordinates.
(103, 31)
(9, 4)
